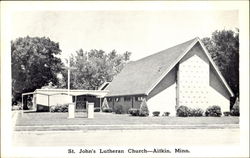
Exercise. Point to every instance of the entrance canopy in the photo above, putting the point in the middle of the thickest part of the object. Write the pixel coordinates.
(52, 93)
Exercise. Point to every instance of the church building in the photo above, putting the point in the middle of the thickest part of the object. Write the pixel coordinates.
(181, 75)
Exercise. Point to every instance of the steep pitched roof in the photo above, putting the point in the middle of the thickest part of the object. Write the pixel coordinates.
(141, 76)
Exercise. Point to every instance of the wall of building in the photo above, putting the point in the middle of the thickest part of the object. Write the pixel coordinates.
(193, 79)
(81, 101)
(126, 105)
(166, 82)
(215, 98)
(198, 84)
(53, 100)
(218, 91)
(165, 101)
(216, 83)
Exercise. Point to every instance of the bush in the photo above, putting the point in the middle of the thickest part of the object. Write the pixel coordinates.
(134, 112)
(118, 109)
(59, 108)
(214, 111)
(198, 112)
(166, 114)
(235, 109)
(144, 109)
(96, 109)
(226, 113)
(109, 110)
(105, 105)
(156, 113)
(182, 111)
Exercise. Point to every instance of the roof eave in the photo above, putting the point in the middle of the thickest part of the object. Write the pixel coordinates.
(216, 68)
(172, 66)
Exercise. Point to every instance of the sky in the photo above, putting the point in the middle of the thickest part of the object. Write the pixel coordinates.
(142, 32)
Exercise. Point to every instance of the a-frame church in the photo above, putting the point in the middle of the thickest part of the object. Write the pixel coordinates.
(181, 75)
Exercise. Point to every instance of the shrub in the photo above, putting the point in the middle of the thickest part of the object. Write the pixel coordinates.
(226, 113)
(235, 109)
(144, 109)
(64, 107)
(118, 109)
(96, 109)
(198, 112)
(59, 108)
(182, 111)
(105, 104)
(109, 110)
(134, 112)
(214, 111)
(166, 114)
(156, 113)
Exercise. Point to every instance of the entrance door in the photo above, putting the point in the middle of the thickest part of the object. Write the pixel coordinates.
(81, 106)
(81, 103)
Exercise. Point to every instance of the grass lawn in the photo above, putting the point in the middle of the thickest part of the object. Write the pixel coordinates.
(46, 118)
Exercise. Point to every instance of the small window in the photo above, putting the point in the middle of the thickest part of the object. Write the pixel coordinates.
(127, 98)
(117, 99)
(138, 98)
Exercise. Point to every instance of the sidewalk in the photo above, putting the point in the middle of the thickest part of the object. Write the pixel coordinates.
(122, 127)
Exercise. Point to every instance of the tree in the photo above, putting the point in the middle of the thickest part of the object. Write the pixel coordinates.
(94, 67)
(34, 64)
(223, 47)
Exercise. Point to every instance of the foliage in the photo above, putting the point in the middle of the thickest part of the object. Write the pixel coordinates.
(226, 113)
(134, 112)
(34, 64)
(156, 113)
(109, 110)
(17, 106)
(93, 68)
(166, 114)
(59, 108)
(144, 108)
(195, 112)
(105, 104)
(118, 109)
(223, 47)
(214, 111)
(182, 111)
(236, 109)
(97, 109)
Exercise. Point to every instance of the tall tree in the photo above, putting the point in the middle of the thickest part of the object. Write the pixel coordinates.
(224, 49)
(34, 64)
(94, 67)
